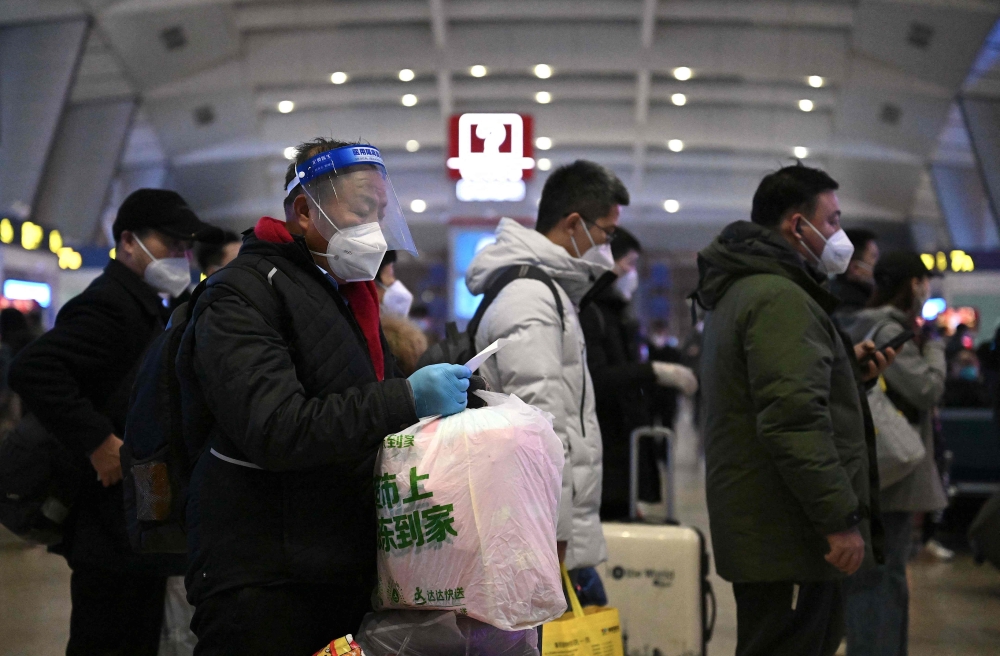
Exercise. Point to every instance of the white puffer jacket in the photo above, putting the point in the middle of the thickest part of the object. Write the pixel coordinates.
(547, 367)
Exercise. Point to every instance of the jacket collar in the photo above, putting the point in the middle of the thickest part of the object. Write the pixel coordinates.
(516, 244)
(137, 287)
(745, 249)
(295, 251)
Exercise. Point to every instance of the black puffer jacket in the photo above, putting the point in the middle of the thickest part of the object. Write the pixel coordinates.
(297, 397)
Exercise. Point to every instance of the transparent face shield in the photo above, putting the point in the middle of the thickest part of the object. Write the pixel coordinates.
(349, 190)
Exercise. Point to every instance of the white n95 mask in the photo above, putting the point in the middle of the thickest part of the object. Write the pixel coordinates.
(837, 252)
(354, 254)
(397, 300)
(170, 275)
(627, 284)
(595, 254)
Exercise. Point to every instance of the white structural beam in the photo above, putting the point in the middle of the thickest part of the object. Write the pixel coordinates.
(439, 27)
(647, 32)
(261, 17)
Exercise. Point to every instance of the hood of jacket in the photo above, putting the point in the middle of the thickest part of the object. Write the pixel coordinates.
(516, 244)
(744, 249)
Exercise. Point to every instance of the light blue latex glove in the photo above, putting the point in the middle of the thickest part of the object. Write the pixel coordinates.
(440, 389)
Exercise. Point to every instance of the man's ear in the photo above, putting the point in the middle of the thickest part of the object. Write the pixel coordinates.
(796, 220)
(301, 212)
(126, 242)
(571, 221)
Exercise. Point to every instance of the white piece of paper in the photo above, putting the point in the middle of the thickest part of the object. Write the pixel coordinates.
(483, 355)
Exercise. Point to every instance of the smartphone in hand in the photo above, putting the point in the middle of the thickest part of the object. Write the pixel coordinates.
(895, 344)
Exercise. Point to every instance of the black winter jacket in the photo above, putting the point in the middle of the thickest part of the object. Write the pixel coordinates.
(622, 388)
(297, 397)
(76, 379)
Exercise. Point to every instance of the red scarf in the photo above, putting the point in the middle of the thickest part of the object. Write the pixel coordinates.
(362, 297)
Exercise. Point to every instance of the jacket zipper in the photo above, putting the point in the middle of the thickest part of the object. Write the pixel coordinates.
(583, 397)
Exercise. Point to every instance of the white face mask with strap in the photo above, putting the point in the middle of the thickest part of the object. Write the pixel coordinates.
(596, 254)
(170, 275)
(355, 253)
(837, 252)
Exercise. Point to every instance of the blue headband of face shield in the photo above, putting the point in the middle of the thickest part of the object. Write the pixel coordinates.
(332, 161)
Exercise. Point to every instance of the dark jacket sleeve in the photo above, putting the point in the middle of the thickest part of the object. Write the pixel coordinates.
(249, 380)
(50, 374)
(609, 377)
(790, 356)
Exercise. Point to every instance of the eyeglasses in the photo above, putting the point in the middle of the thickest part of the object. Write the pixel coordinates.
(609, 235)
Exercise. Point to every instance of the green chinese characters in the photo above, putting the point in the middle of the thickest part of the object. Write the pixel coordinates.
(413, 528)
(398, 441)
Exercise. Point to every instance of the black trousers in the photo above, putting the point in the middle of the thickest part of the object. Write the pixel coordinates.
(293, 619)
(775, 619)
(115, 614)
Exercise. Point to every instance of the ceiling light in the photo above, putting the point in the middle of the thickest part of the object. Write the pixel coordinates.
(543, 71)
(286, 106)
(339, 77)
(801, 152)
(816, 81)
(406, 75)
(478, 71)
(676, 145)
(543, 97)
(543, 143)
(409, 100)
(679, 99)
(806, 105)
(290, 152)
(412, 146)
(418, 206)
(544, 164)
(671, 205)
(682, 73)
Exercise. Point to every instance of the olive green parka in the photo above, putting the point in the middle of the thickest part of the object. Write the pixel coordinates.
(789, 441)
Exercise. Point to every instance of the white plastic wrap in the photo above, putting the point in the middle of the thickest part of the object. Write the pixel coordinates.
(467, 509)
(439, 633)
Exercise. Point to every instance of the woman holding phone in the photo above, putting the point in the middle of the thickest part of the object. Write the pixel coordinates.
(877, 600)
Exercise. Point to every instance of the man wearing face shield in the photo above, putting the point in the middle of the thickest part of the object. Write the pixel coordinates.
(792, 485)
(547, 364)
(77, 379)
(302, 389)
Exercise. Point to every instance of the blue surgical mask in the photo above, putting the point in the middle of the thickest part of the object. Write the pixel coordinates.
(969, 372)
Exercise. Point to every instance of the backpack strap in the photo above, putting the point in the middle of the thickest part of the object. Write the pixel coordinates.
(509, 275)
(250, 283)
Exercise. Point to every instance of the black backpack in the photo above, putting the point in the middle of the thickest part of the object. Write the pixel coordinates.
(39, 482)
(168, 423)
(459, 347)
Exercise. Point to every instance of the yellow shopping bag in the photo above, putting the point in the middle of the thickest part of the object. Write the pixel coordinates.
(591, 631)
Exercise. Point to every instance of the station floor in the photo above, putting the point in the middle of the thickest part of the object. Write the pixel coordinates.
(955, 607)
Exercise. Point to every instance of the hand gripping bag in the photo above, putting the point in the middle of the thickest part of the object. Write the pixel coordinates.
(467, 510)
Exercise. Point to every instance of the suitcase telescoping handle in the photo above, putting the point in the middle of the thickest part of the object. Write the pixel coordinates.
(633, 484)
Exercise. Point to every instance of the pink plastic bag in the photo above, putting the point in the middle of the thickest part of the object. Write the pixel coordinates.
(467, 512)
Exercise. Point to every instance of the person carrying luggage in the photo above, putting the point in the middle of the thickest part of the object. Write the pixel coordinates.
(302, 389)
(546, 365)
(791, 484)
(76, 380)
(624, 386)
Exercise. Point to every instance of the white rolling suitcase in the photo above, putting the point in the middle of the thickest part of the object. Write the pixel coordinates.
(657, 577)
